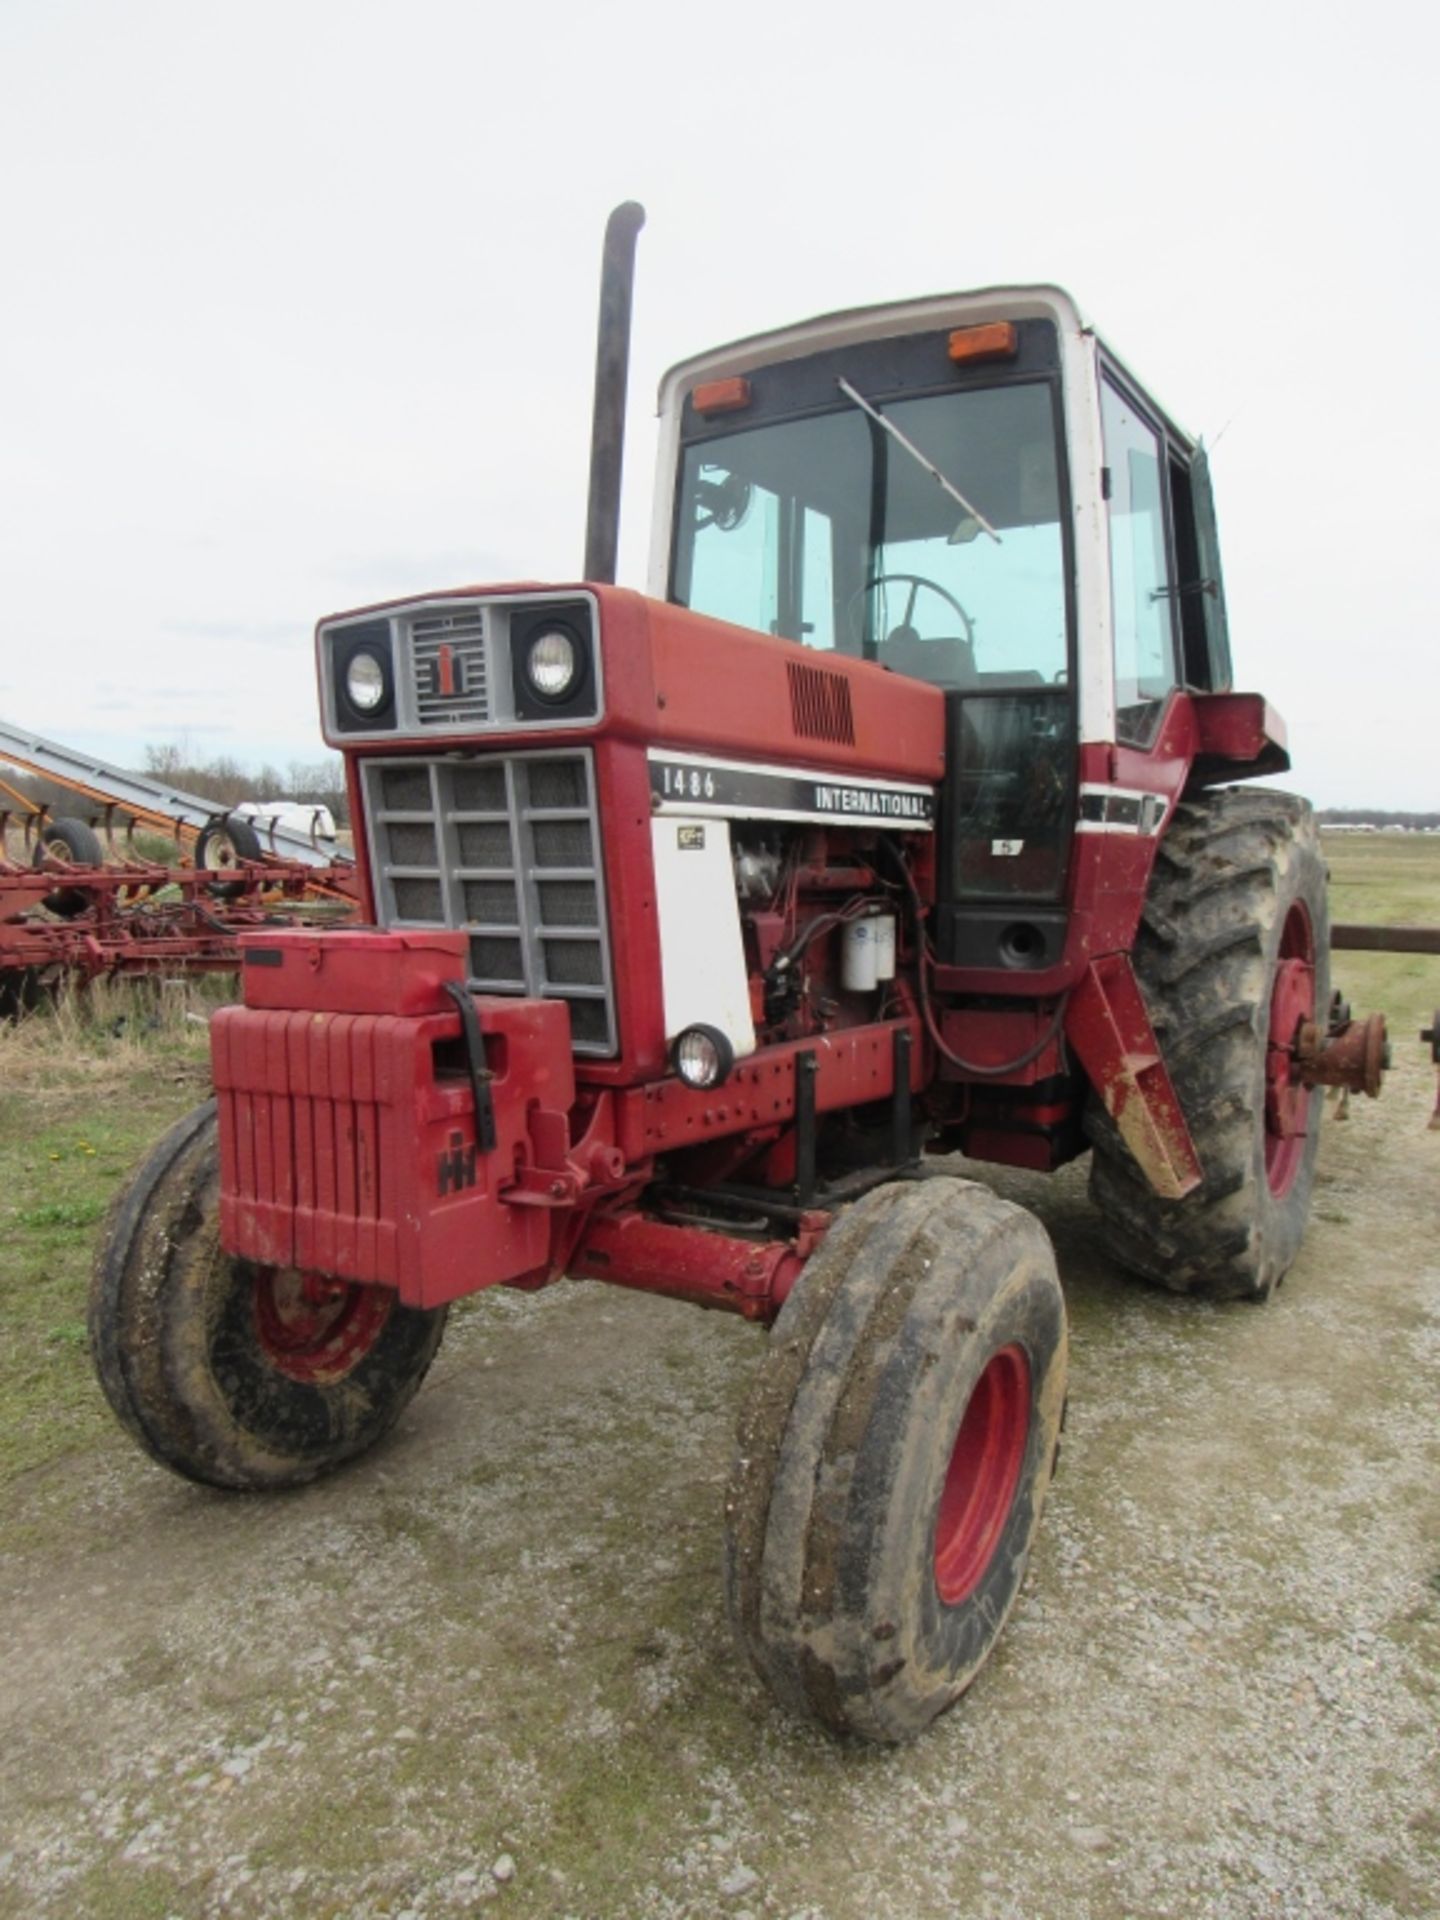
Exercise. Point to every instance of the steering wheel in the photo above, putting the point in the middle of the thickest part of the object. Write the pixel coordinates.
(915, 581)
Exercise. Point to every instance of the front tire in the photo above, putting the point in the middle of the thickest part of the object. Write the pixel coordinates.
(236, 1375)
(894, 1457)
(1232, 954)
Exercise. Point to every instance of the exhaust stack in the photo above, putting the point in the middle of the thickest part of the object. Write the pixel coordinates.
(612, 368)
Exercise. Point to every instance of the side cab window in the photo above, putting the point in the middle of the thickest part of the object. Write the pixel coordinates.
(1142, 587)
(1200, 594)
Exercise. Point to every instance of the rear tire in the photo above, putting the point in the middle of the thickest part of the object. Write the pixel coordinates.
(1233, 948)
(232, 1374)
(894, 1457)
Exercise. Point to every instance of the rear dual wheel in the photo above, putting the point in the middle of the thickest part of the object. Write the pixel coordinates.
(895, 1455)
(238, 1375)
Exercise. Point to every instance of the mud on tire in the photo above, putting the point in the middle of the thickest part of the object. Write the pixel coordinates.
(1237, 896)
(221, 1370)
(894, 1457)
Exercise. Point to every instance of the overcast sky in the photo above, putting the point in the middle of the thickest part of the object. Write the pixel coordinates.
(299, 303)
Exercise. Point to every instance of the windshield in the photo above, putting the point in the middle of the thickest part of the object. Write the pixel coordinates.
(828, 530)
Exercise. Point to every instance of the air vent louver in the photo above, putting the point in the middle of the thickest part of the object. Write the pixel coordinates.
(820, 704)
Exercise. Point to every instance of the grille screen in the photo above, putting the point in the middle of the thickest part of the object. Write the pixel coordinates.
(507, 849)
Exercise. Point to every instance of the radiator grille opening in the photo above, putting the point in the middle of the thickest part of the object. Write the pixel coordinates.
(574, 963)
(557, 783)
(419, 901)
(562, 843)
(485, 844)
(491, 902)
(411, 846)
(480, 789)
(500, 963)
(567, 903)
(589, 1026)
(405, 789)
(525, 882)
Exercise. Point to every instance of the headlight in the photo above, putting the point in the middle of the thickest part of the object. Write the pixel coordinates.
(364, 682)
(551, 663)
(703, 1056)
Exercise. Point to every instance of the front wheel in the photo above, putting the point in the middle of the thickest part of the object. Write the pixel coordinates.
(237, 1375)
(895, 1455)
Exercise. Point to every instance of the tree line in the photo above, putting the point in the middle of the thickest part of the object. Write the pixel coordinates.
(315, 783)
(1375, 817)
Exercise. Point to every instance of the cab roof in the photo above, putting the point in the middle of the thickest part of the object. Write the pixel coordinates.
(850, 324)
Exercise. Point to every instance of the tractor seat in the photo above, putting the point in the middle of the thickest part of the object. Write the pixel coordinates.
(944, 662)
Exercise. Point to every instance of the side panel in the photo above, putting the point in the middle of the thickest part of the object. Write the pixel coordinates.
(702, 956)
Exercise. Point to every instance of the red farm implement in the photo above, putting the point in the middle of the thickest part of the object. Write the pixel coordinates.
(80, 898)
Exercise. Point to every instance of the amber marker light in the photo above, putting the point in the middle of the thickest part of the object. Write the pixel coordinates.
(997, 341)
(722, 396)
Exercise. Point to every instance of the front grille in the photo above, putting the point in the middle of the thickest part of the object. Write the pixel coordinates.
(509, 849)
(450, 667)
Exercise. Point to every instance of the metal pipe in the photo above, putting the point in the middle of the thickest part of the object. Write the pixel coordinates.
(612, 368)
(748, 1277)
(1353, 937)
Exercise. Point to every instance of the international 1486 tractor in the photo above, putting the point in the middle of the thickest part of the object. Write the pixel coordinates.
(909, 813)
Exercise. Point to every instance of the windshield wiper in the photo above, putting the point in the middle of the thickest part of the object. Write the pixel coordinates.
(916, 455)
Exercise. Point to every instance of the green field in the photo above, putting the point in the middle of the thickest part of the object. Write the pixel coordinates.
(1387, 879)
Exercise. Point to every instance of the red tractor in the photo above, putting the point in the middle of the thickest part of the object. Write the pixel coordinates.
(900, 818)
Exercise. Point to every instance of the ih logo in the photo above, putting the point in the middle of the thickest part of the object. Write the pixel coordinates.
(455, 1168)
(449, 672)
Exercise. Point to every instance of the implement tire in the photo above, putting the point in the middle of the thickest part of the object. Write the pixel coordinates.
(67, 839)
(894, 1457)
(232, 1374)
(1233, 948)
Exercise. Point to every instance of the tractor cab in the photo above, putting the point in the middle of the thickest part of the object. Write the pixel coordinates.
(970, 492)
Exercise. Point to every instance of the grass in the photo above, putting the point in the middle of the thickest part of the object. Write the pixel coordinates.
(1387, 879)
(86, 1087)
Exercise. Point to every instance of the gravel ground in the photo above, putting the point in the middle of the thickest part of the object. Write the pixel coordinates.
(489, 1667)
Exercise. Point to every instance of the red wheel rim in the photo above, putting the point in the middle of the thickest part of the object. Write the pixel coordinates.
(314, 1329)
(983, 1474)
(1292, 1003)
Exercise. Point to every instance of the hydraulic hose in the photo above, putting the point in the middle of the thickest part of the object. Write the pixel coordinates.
(927, 1010)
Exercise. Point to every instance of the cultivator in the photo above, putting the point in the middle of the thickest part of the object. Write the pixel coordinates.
(80, 899)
